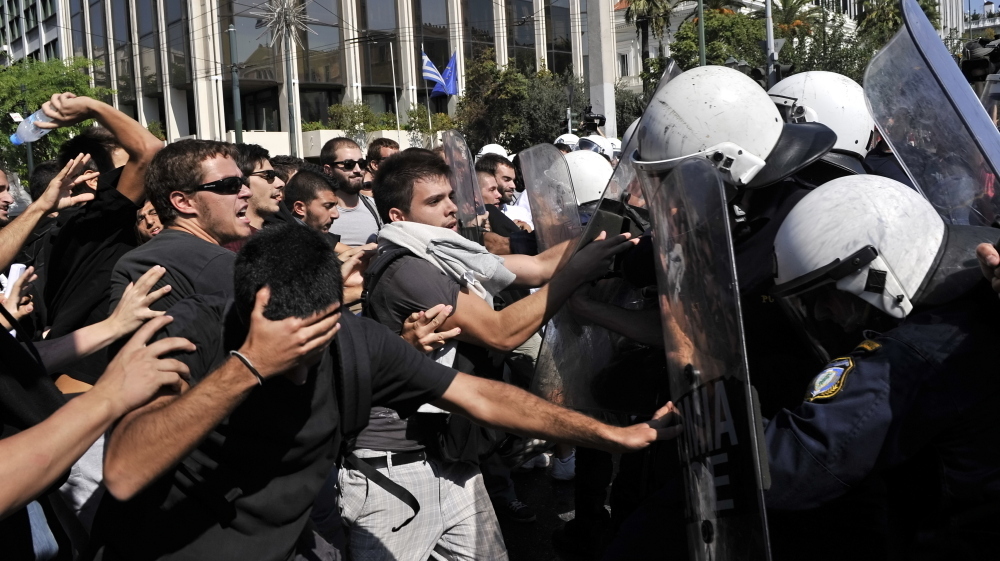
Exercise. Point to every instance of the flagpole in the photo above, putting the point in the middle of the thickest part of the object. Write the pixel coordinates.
(395, 99)
(427, 99)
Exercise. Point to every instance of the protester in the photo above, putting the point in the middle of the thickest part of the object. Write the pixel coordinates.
(312, 198)
(287, 166)
(246, 490)
(359, 221)
(502, 169)
(147, 223)
(201, 198)
(378, 150)
(266, 189)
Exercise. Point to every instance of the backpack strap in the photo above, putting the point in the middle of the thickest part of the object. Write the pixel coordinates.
(374, 272)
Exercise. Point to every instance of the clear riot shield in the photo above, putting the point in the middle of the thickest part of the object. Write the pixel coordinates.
(930, 117)
(465, 185)
(722, 453)
(581, 365)
(550, 191)
(990, 98)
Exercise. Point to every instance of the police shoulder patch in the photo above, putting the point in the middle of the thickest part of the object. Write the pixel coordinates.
(868, 347)
(830, 381)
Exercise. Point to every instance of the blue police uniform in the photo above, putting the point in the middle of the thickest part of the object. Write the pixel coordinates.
(927, 386)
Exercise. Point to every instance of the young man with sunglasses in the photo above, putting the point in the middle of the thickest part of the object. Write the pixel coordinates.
(202, 199)
(266, 190)
(359, 220)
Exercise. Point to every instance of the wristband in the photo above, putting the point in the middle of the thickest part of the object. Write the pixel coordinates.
(246, 362)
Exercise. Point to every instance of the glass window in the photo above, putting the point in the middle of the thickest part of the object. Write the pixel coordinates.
(48, 8)
(177, 49)
(559, 49)
(323, 60)
(31, 16)
(98, 42)
(52, 49)
(477, 22)
(255, 57)
(15, 28)
(521, 34)
(376, 32)
(430, 17)
(122, 45)
(145, 15)
(174, 10)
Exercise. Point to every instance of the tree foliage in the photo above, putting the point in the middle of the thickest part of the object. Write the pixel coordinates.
(629, 106)
(517, 111)
(648, 16)
(24, 87)
(880, 19)
(831, 47)
(727, 34)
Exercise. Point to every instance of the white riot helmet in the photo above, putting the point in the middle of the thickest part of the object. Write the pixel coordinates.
(835, 101)
(596, 143)
(722, 115)
(872, 238)
(569, 139)
(590, 173)
(616, 148)
(492, 149)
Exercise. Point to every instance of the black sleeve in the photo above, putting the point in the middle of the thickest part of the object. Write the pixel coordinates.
(402, 378)
(199, 320)
(409, 285)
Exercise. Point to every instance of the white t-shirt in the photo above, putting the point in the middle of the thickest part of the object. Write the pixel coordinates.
(355, 225)
(518, 210)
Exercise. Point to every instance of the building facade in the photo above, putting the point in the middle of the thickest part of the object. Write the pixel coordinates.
(169, 61)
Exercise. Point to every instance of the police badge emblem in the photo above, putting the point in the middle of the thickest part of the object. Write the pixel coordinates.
(830, 381)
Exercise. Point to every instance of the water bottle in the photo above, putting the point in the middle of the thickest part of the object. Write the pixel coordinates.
(28, 131)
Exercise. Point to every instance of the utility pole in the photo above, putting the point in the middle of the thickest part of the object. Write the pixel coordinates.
(237, 102)
(771, 58)
(701, 31)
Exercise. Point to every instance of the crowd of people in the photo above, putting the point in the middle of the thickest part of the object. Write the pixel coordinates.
(213, 352)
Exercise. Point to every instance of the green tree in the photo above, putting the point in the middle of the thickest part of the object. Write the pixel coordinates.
(831, 47)
(629, 106)
(488, 110)
(40, 80)
(543, 109)
(794, 18)
(880, 19)
(727, 34)
(648, 16)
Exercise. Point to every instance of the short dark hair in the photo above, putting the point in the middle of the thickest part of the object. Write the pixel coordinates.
(40, 178)
(376, 146)
(393, 182)
(298, 265)
(328, 154)
(99, 142)
(178, 168)
(306, 185)
(286, 166)
(250, 156)
(489, 163)
(563, 147)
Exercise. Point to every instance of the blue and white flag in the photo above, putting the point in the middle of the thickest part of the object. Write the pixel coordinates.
(430, 71)
(449, 82)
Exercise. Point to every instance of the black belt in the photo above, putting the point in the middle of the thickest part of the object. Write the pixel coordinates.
(369, 468)
(398, 459)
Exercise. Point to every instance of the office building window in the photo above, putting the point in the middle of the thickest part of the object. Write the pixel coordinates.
(99, 44)
(31, 16)
(378, 42)
(558, 48)
(430, 18)
(121, 44)
(477, 23)
(52, 49)
(48, 8)
(322, 61)
(622, 66)
(521, 34)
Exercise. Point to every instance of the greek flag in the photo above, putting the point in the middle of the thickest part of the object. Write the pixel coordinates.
(430, 71)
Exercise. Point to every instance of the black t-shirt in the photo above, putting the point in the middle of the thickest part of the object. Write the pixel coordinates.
(247, 490)
(194, 266)
(411, 284)
(82, 255)
(500, 223)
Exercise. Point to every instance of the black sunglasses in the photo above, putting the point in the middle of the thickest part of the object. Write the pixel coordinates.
(267, 174)
(225, 186)
(349, 164)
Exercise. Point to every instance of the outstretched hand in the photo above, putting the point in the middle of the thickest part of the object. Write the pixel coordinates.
(665, 425)
(989, 264)
(596, 258)
(20, 302)
(59, 193)
(138, 373)
(420, 329)
(277, 346)
(133, 308)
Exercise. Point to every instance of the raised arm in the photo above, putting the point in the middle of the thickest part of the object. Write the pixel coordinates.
(35, 458)
(509, 408)
(150, 440)
(55, 197)
(536, 270)
(68, 109)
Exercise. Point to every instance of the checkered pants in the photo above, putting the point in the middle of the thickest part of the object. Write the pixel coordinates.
(455, 514)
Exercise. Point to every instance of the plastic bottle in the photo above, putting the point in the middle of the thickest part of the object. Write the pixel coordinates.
(28, 131)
